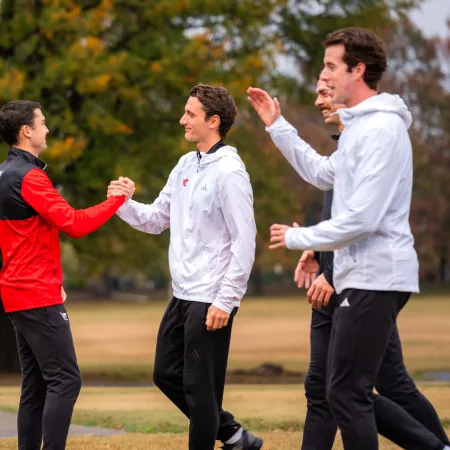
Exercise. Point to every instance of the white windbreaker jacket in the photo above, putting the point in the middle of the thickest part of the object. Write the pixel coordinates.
(371, 175)
(208, 205)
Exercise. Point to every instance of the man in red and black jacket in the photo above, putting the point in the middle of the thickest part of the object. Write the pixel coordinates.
(31, 215)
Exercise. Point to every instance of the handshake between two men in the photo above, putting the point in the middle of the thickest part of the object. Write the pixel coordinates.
(216, 318)
(122, 186)
(319, 290)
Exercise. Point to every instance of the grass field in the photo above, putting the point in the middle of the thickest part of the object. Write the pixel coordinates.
(120, 338)
(117, 338)
(275, 440)
(276, 412)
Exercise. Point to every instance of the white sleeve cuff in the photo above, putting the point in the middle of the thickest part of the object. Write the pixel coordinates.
(277, 124)
(123, 208)
(291, 240)
(224, 307)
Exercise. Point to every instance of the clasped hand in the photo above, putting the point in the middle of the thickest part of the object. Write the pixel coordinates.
(122, 186)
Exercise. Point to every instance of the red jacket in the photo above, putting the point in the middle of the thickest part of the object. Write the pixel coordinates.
(31, 215)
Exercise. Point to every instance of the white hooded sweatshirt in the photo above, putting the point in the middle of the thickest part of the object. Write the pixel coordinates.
(208, 205)
(371, 175)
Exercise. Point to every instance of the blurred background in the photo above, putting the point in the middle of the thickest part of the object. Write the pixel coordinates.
(113, 77)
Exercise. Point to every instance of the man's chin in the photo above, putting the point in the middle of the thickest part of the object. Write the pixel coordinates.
(190, 138)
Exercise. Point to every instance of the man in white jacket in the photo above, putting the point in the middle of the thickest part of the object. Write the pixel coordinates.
(208, 205)
(375, 264)
(402, 412)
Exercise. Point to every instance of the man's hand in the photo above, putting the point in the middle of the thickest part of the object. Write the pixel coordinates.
(63, 294)
(216, 318)
(122, 186)
(320, 292)
(268, 108)
(277, 234)
(306, 270)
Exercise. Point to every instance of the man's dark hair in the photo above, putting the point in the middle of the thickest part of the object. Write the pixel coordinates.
(216, 100)
(13, 116)
(361, 46)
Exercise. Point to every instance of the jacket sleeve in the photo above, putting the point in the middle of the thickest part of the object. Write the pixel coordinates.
(315, 169)
(154, 218)
(38, 191)
(236, 199)
(379, 170)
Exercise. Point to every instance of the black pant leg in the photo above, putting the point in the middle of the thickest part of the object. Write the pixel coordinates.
(205, 364)
(169, 357)
(395, 424)
(32, 397)
(48, 335)
(395, 383)
(169, 367)
(363, 323)
(320, 426)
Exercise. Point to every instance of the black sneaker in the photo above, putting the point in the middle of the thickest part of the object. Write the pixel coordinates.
(247, 442)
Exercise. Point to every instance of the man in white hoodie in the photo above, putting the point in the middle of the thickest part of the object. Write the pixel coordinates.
(208, 205)
(402, 412)
(375, 264)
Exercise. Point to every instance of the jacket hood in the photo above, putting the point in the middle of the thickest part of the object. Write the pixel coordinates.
(387, 103)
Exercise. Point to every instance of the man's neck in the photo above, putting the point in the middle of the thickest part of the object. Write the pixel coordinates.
(27, 148)
(204, 146)
(359, 96)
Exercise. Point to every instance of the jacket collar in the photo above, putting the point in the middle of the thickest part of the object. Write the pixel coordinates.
(335, 137)
(27, 156)
(213, 149)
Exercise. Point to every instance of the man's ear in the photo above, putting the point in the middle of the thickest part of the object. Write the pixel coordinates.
(25, 130)
(215, 121)
(359, 70)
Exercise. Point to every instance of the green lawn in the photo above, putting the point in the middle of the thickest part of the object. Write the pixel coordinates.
(276, 412)
(117, 340)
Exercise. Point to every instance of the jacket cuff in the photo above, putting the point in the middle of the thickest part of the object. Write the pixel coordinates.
(277, 124)
(224, 306)
(290, 240)
(124, 207)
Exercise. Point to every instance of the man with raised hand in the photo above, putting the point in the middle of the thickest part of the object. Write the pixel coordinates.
(208, 205)
(375, 264)
(400, 422)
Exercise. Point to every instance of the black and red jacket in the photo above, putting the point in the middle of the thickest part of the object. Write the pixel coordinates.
(31, 215)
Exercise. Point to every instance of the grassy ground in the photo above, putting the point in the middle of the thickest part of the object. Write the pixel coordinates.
(276, 412)
(275, 440)
(119, 339)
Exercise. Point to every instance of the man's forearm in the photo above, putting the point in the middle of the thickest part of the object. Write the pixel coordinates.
(143, 217)
(312, 167)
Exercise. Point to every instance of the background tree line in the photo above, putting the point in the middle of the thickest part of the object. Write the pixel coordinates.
(114, 75)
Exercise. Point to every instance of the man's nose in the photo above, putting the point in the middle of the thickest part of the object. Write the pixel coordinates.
(325, 75)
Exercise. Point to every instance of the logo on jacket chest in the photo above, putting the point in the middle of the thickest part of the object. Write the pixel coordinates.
(185, 181)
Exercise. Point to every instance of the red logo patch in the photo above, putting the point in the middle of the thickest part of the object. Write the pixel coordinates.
(185, 182)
